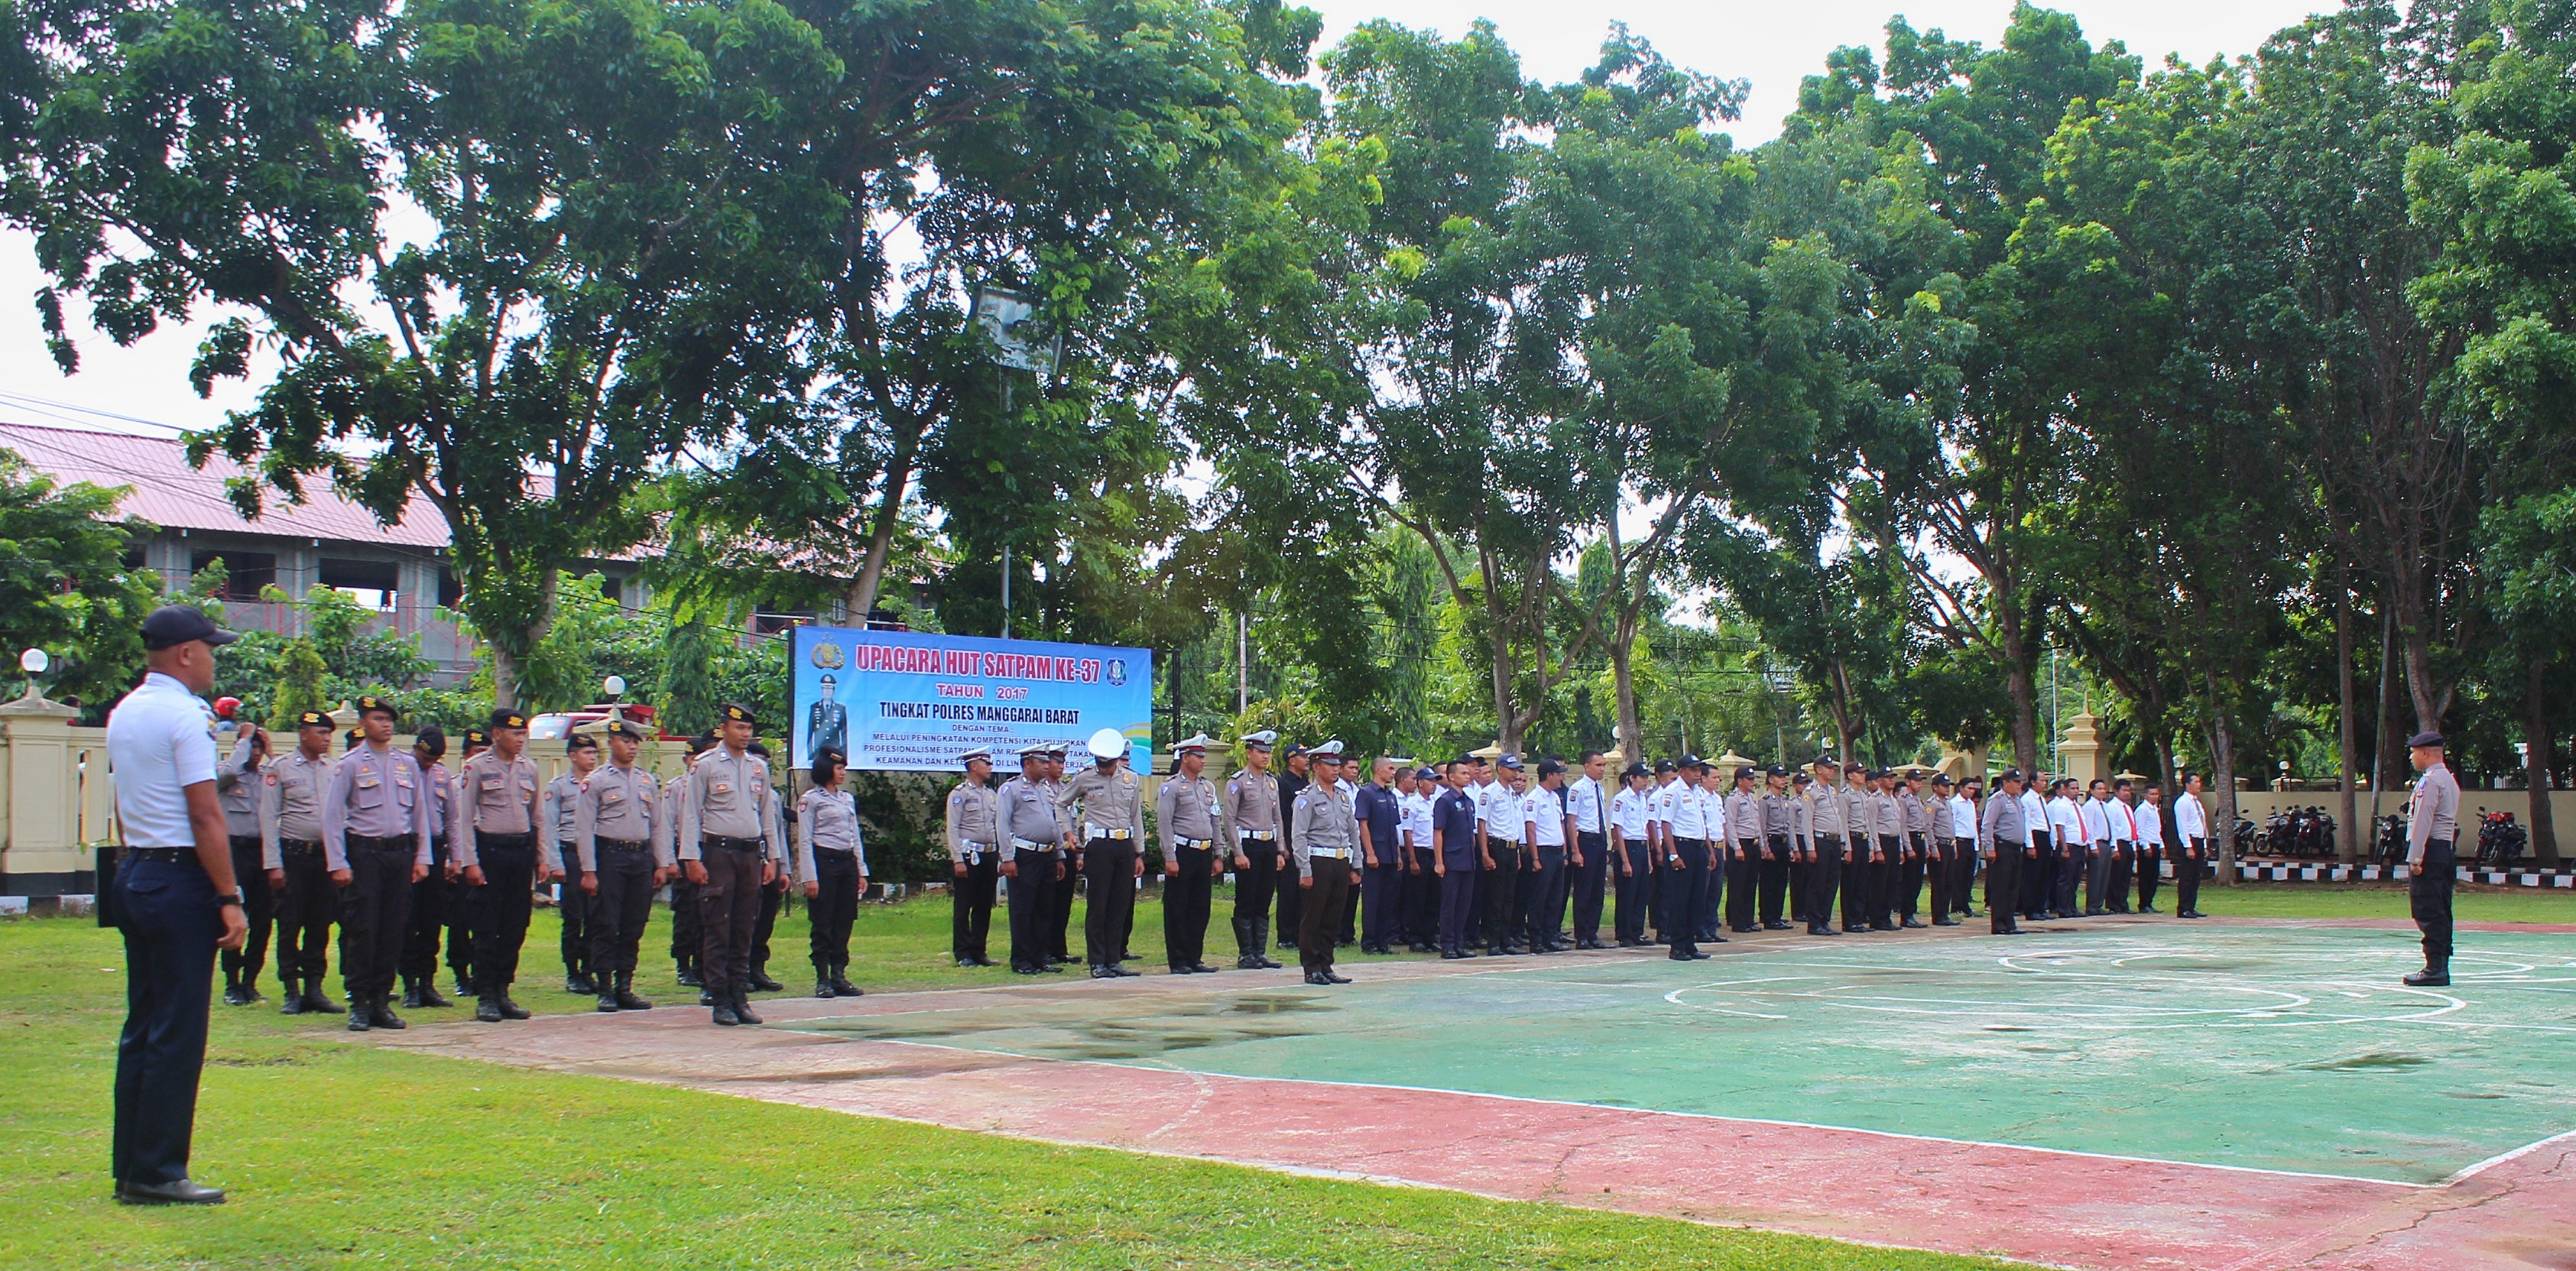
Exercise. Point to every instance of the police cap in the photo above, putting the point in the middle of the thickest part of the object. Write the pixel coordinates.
(312, 719)
(369, 704)
(2425, 739)
(504, 717)
(173, 625)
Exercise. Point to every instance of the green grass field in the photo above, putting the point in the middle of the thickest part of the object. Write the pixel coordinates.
(342, 1154)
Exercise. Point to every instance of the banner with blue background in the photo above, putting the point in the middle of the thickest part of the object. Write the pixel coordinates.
(911, 701)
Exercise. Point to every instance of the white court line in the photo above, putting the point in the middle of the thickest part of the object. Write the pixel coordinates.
(2504, 1157)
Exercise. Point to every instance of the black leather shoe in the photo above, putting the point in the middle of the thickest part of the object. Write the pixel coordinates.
(488, 1010)
(1451, 955)
(626, 998)
(510, 1009)
(317, 1001)
(724, 1015)
(1916, 923)
(1104, 973)
(380, 1015)
(1945, 922)
(760, 981)
(576, 982)
(823, 987)
(689, 978)
(1268, 965)
(429, 998)
(607, 1004)
(294, 1003)
(1026, 970)
(1201, 968)
(358, 1020)
(1775, 926)
(1334, 978)
(464, 985)
(2428, 978)
(1319, 979)
(1250, 962)
(411, 995)
(841, 984)
(182, 1192)
(742, 1008)
(233, 996)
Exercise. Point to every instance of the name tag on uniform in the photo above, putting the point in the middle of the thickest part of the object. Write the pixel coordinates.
(404, 782)
(720, 788)
(366, 783)
(612, 796)
(491, 783)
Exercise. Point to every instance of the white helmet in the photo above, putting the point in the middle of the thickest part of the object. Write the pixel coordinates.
(1108, 743)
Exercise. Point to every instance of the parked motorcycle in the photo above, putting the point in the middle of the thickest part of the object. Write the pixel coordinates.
(2391, 849)
(2500, 840)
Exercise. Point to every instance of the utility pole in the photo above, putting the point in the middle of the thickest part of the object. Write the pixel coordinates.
(1242, 661)
(1006, 591)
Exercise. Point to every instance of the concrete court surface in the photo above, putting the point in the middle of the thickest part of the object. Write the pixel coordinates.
(2103, 1093)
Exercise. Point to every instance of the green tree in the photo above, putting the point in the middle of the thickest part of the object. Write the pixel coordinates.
(64, 587)
(615, 220)
(299, 674)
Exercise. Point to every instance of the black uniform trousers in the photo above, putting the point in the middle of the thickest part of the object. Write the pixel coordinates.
(501, 908)
(1109, 870)
(166, 911)
(1590, 884)
(1059, 924)
(2187, 871)
(1774, 877)
(2072, 860)
(430, 901)
(1543, 897)
(622, 906)
(1457, 905)
(373, 909)
(1033, 889)
(2003, 885)
(773, 897)
(1254, 881)
(574, 906)
(970, 899)
(1685, 882)
(1937, 870)
(2428, 897)
(1963, 875)
(1910, 874)
(1501, 893)
(1422, 901)
(2151, 871)
(834, 907)
(687, 939)
(1322, 909)
(456, 907)
(259, 906)
(1629, 890)
(1348, 928)
(1824, 878)
(728, 909)
(304, 914)
(1882, 892)
(1860, 884)
(1802, 871)
(2035, 875)
(1292, 900)
(1186, 900)
(2123, 874)
(1380, 885)
(1713, 897)
(2097, 879)
(1743, 875)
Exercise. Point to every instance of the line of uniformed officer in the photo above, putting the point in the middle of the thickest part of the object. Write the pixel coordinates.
(731, 847)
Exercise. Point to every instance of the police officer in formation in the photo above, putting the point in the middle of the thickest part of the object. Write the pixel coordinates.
(731, 847)
(1252, 831)
(974, 836)
(1104, 811)
(622, 844)
(1322, 838)
(238, 780)
(1186, 810)
(832, 862)
(375, 842)
(495, 847)
(1031, 836)
(291, 791)
(437, 907)
(2433, 826)
(559, 807)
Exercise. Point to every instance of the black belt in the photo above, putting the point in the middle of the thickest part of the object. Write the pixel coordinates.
(484, 842)
(298, 847)
(241, 841)
(621, 845)
(844, 851)
(739, 845)
(369, 840)
(167, 855)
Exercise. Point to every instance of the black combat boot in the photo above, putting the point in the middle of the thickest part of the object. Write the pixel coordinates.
(316, 1001)
(580, 982)
(233, 989)
(294, 1001)
(511, 1009)
(841, 982)
(250, 987)
(411, 993)
(742, 1007)
(626, 997)
(689, 978)
(724, 1012)
(359, 1017)
(607, 1002)
(823, 981)
(429, 997)
(381, 1015)
(760, 979)
(488, 1010)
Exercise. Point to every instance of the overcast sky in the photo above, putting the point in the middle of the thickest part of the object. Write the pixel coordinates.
(1771, 44)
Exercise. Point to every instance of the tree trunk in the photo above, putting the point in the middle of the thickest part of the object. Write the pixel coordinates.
(2222, 738)
(1623, 645)
(2390, 765)
(509, 656)
(1506, 720)
(2348, 843)
(2538, 760)
(2021, 681)
(862, 596)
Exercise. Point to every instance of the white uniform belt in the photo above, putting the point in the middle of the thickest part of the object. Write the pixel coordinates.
(1337, 853)
(1091, 831)
(1186, 841)
(1263, 835)
(1031, 845)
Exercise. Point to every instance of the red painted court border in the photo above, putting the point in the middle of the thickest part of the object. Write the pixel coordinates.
(2516, 1210)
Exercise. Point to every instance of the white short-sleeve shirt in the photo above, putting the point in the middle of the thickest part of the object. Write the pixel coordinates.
(160, 741)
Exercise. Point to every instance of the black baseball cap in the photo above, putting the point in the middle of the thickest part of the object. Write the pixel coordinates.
(173, 625)
(1550, 767)
(1636, 770)
(1775, 770)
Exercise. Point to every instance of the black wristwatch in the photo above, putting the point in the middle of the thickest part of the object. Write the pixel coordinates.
(233, 898)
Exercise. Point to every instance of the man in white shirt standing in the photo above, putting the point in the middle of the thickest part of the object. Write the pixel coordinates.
(2066, 830)
(2096, 811)
(175, 899)
(2191, 828)
(2150, 820)
(1587, 800)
